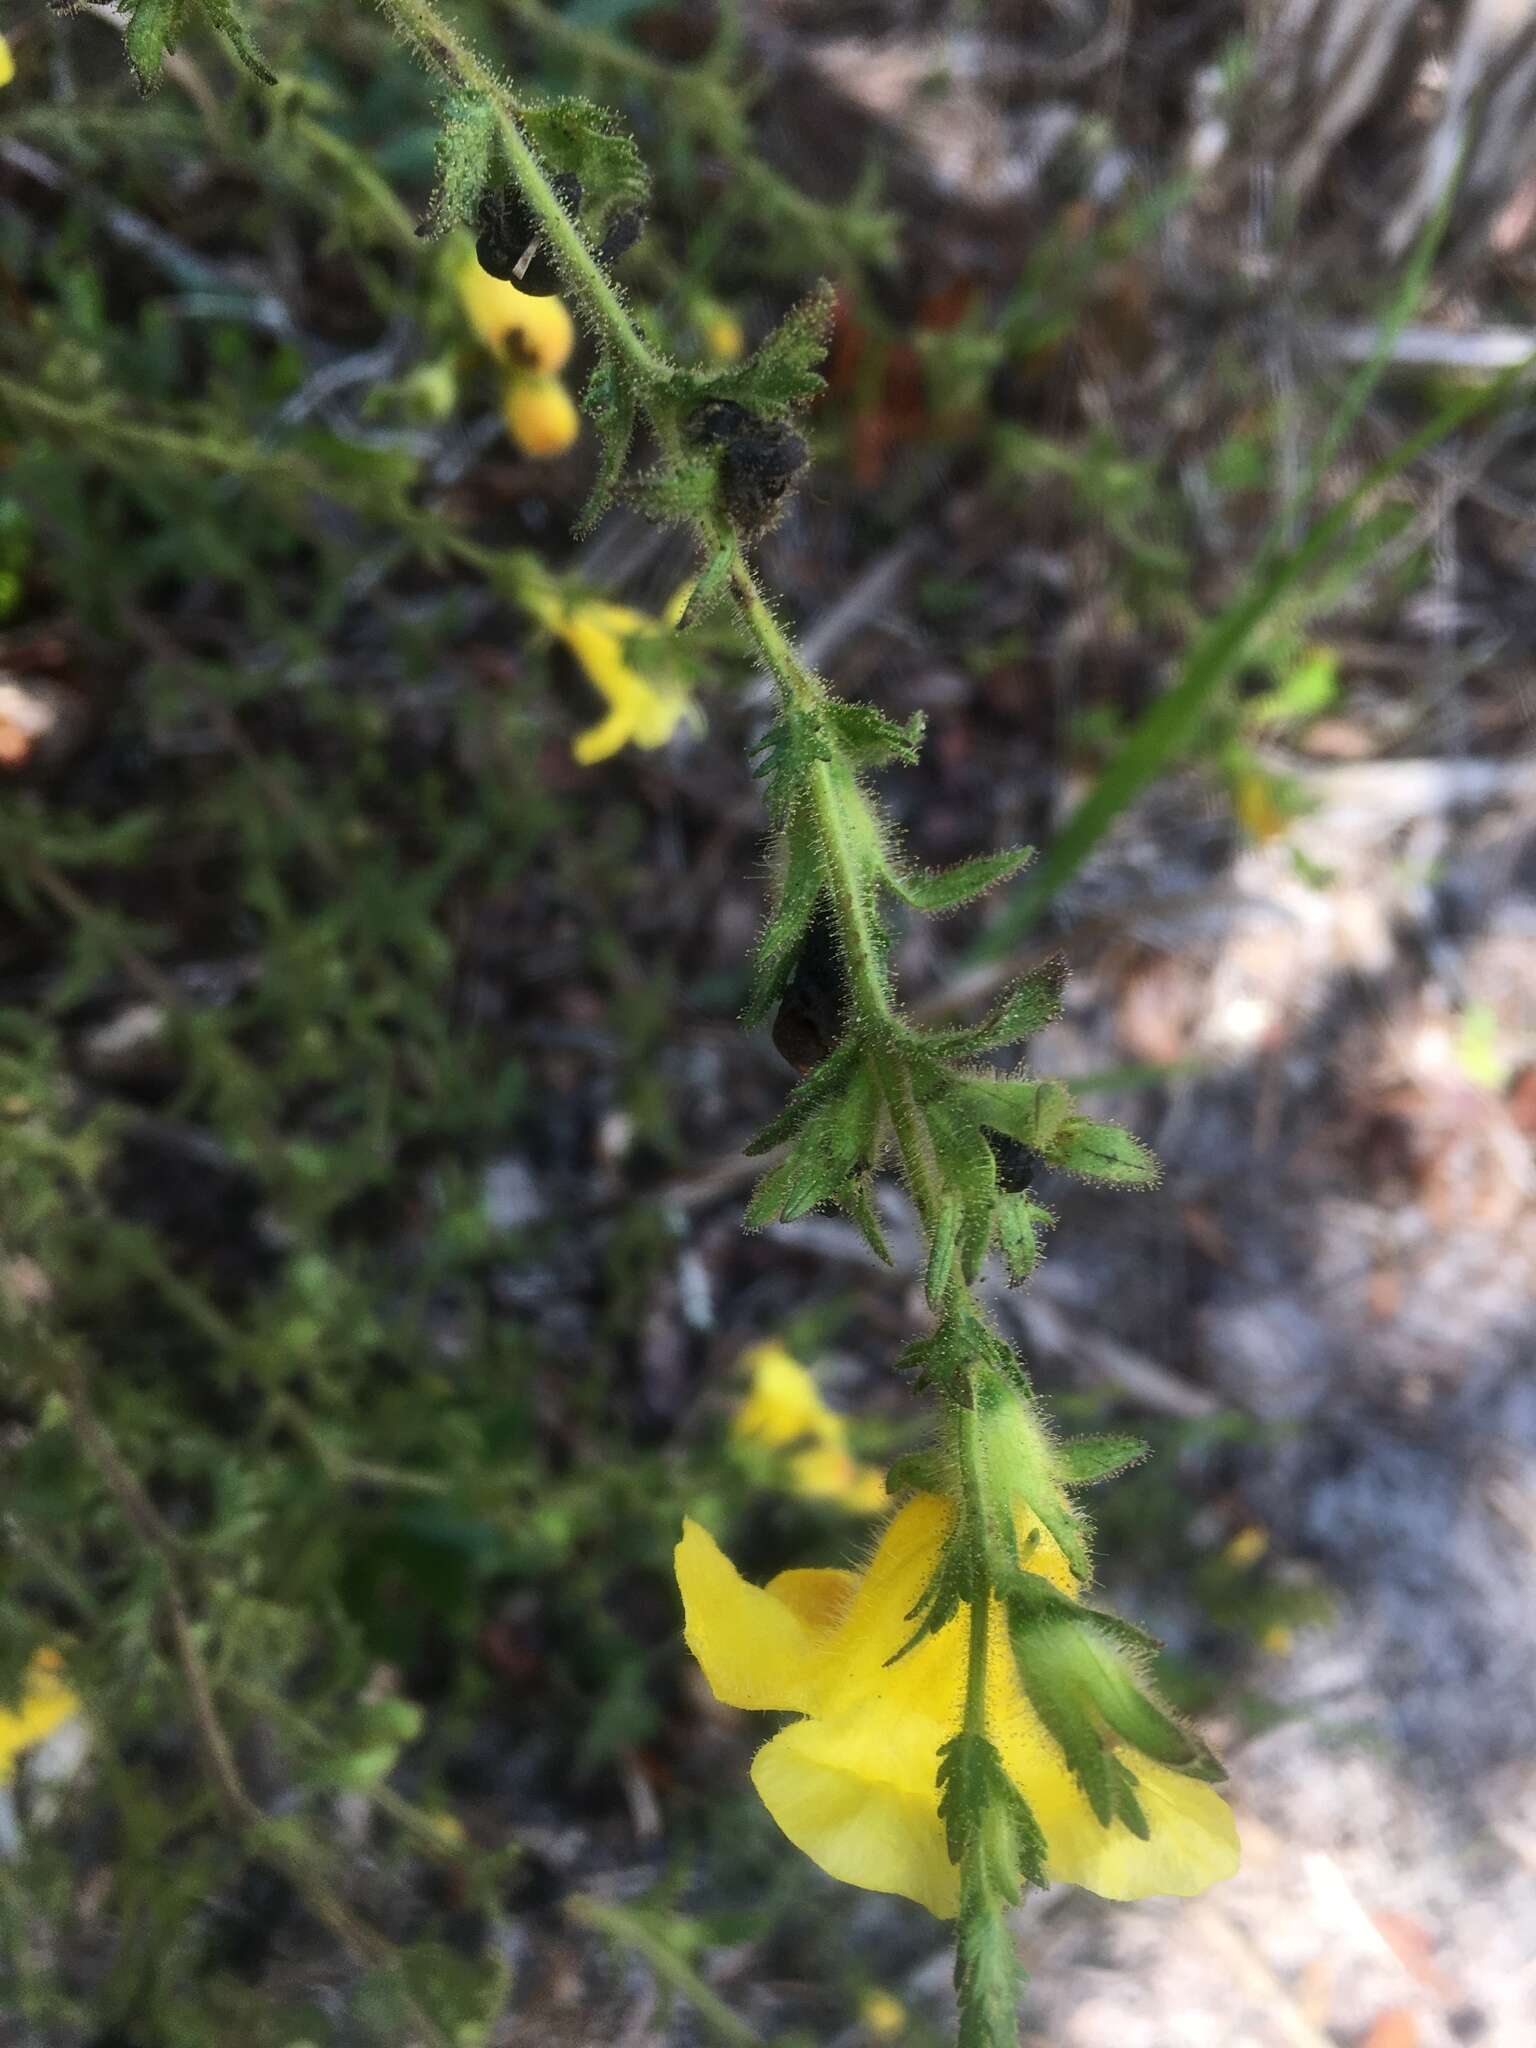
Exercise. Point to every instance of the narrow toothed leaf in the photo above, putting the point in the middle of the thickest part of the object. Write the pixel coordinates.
(783, 372)
(833, 1074)
(711, 586)
(871, 740)
(856, 1200)
(1020, 1224)
(467, 152)
(609, 403)
(941, 1250)
(835, 1140)
(799, 893)
(785, 756)
(1023, 1010)
(948, 888)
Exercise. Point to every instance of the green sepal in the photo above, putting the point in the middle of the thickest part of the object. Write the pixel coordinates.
(1081, 1682)
(1020, 1012)
(573, 134)
(837, 1138)
(609, 403)
(680, 494)
(1084, 1460)
(871, 740)
(154, 27)
(1104, 1152)
(468, 151)
(799, 893)
(782, 374)
(1020, 1461)
(856, 1200)
(1017, 1224)
(948, 888)
(918, 1472)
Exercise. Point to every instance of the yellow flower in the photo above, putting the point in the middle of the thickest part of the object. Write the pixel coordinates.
(540, 413)
(784, 1411)
(853, 1782)
(642, 709)
(46, 1702)
(530, 333)
(884, 2016)
(7, 62)
(722, 335)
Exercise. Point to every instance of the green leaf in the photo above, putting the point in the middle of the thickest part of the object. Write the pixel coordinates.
(1034, 1112)
(783, 373)
(835, 1140)
(799, 894)
(784, 757)
(1104, 1152)
(807, 1097)
(941, 1599)
(1019, 1013)
(871, 740)
(948, 888)
(946, 1357)
(968, 1169)
(710, 587)
(1084, 1460)
(467, 154)
(609, 403)
(154, 27)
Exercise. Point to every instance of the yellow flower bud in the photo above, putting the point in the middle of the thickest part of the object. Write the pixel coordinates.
(529, 333)
(541, 414)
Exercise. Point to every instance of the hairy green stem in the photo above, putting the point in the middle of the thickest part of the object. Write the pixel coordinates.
(456, 59)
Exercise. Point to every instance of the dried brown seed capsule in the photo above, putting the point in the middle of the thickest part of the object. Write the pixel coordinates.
(622, 234)
(759, 460)
(509, 239)
(812, 1009)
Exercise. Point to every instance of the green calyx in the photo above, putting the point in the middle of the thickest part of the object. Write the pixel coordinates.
(1081, 1671)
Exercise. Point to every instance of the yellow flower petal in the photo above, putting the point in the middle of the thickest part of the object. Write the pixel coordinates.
(754, 1649)
(856, 1793)
(7, 62)
(602, 741)
(540, 413)
(46, 1702)
(520, 328)
(784, 1402)
(821, 1597)
(1193, 1839)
